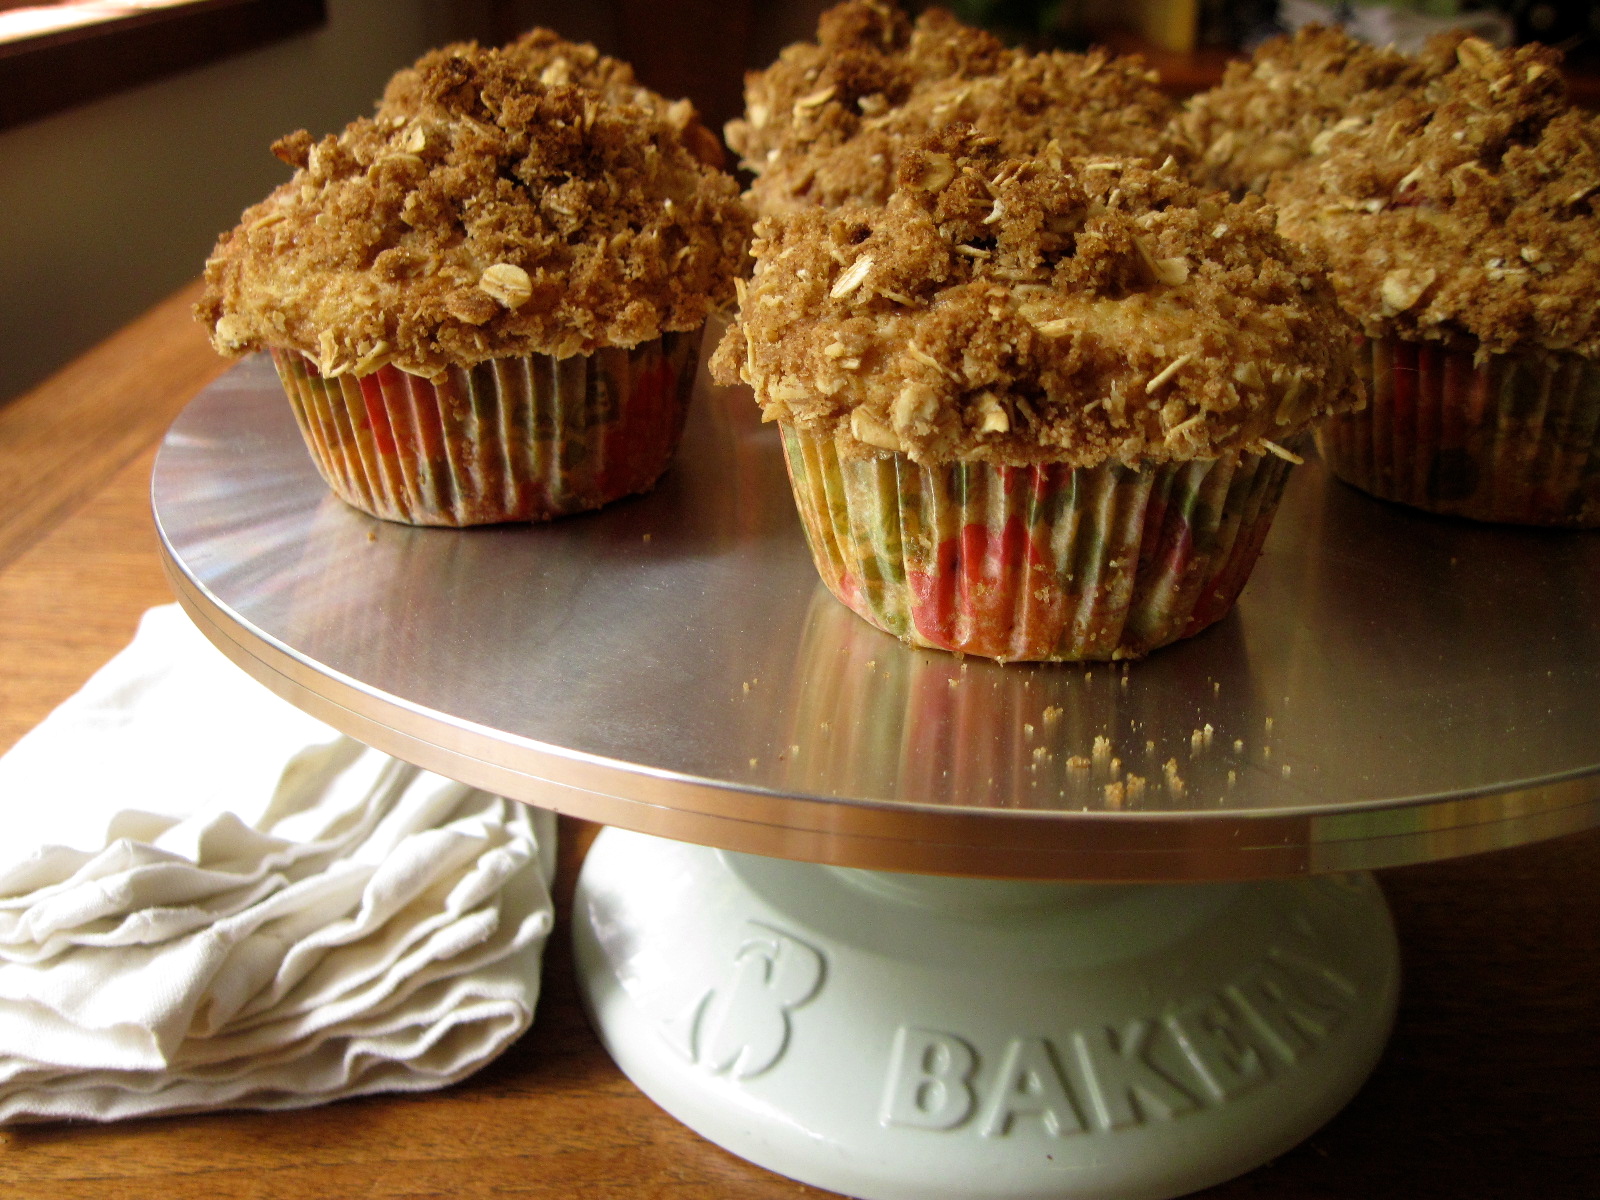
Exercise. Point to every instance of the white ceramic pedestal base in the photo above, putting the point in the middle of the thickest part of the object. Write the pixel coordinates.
(904, 1037)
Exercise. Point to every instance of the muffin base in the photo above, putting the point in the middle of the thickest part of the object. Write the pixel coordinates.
(1041, 563)
(512, 439)
(1513, 440)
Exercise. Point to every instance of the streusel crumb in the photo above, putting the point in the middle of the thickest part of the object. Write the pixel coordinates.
(826, 122)
(1468, 211)
(1275, 110)
(1039, 310)
(551, 59)
(481, 214)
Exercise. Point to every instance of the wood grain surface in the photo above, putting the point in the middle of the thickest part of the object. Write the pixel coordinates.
(1488, 1088)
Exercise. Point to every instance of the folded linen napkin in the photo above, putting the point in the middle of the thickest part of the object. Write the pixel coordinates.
(210, 899)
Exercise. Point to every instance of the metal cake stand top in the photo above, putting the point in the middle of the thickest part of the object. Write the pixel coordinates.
(1392, 687)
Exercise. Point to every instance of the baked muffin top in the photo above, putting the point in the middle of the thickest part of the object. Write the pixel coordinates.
(826, 122)
(1048, 309)
(1274, 110)
(1464, 211)
(551, 59)
(481, 213)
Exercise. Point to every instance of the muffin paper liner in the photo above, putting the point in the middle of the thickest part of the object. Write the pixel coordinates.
(512, 439)
(1511, 439)
(1034, 563)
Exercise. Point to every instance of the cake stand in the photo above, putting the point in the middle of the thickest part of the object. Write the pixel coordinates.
(902, 924)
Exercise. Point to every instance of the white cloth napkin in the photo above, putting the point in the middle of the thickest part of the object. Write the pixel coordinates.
(209, 899)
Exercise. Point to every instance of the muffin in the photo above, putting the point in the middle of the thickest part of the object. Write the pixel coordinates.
(1037, 408)
(1458, 222)
(826, 122)
(485, 302)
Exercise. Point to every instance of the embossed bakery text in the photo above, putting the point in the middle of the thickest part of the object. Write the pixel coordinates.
(1201, 1052)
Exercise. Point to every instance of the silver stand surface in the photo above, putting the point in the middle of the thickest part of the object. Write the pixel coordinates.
(1392, 688)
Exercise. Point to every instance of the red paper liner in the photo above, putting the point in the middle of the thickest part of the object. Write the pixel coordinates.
(1043, 563)
(512, 439)
(1511, 439)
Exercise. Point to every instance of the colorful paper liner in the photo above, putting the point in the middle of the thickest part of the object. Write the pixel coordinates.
(512, 439)
(1512, 439)
(1042, 563)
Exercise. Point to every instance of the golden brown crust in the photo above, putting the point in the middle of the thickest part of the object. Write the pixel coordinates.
(1465, 211)
(480, 214)
(826, 122)
(1039, 310)
(1269, 113)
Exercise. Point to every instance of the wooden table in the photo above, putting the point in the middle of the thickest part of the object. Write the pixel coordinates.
(1488, 1088)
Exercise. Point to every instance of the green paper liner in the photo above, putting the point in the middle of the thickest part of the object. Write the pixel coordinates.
(511, 439)
(1511, 439)
(1041, 563)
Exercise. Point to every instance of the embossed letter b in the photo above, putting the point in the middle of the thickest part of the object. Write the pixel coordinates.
(930, 1080)
(744, 1027)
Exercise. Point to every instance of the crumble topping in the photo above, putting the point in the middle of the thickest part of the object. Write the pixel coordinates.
(551, 59)
(1465, 210)
(826, 122)
(1276, 109)
(482, 213)
(1049, 309)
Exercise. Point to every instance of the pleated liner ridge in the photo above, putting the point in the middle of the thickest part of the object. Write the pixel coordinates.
(1512, 439)
(1034, 563)
(512, 439)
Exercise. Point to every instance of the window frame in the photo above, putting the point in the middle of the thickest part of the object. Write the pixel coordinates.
(46, 73)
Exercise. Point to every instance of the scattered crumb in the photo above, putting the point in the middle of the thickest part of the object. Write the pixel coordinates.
(1286, 770)
(1135, 786)
(1174, 781)
(1052, 714)
(1266, 752)
(1206, 732)
(1027, 731)
(1269, 724)
(746, 687)
(1116, 793)
(372, 535)
(752, 762)
(1238, 745)
(647, 537)
(1233, 778)
(1079, 763)
(1102, 746)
